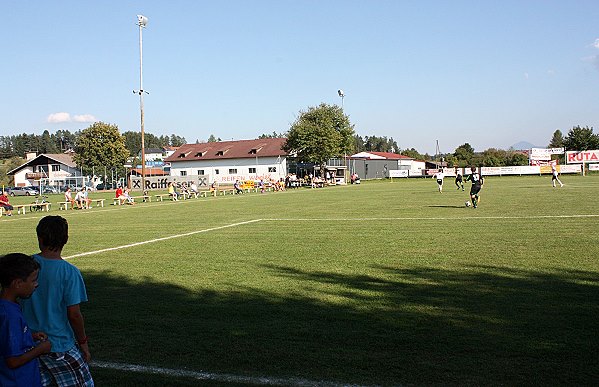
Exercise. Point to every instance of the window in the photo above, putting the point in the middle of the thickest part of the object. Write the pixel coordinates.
(200, 172)
(183, 173)
(55, 168)
(232, 171)
(216, 171)
(272, 169)
(252, 170)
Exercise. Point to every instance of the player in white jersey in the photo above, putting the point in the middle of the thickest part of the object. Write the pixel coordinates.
(439, 176)
(554, 177)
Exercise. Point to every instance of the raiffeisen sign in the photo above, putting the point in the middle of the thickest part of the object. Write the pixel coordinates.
(590, 156)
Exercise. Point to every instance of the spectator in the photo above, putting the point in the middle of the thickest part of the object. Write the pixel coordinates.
(80, 199)
(261, 186)
(238, 190)
(172, 191)
(55, 309)
(194, 189)
(19, 365)
(68, 197)
(88, 201)
(4, 203)
(128, 199)
(118, 194)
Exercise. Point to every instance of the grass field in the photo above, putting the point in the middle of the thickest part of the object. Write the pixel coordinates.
(385, 283)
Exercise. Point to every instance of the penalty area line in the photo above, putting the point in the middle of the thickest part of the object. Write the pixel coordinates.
(202, 375)
(162, 239)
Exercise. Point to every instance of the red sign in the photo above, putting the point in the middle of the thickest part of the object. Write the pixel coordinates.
(590, 156)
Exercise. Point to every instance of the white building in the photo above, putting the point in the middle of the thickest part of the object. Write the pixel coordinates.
(56, 169)
(372, 165)
(228, 161)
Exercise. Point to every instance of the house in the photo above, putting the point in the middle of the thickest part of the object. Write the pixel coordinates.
(153, 154)
(56, 169)
(373, 165)
(169, 150)
(227, 161)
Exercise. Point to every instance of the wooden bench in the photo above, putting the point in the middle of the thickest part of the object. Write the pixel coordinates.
(227, 190)
(22, 207)
(144, 198)
(99, 202)
(116, 202)
(63, 205)
(160, 197)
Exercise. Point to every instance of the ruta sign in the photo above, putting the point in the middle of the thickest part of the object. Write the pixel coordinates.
(590, 156)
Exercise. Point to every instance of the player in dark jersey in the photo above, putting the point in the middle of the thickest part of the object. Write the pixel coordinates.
(477, 184)
(459, 181)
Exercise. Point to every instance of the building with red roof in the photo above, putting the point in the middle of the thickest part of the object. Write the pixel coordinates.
(227, 161)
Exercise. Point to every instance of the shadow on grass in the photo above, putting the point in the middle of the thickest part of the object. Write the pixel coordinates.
(477, 325)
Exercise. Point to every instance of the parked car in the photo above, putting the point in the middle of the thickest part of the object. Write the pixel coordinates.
(103, 186)
(23, 191)
(48, 189)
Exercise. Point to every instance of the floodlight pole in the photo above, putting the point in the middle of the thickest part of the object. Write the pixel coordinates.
(342, 95)
(142, 22)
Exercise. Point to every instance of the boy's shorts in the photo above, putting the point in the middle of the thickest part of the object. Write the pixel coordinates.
(65, 369)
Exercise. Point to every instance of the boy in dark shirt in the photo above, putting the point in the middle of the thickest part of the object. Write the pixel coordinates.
(19, 365)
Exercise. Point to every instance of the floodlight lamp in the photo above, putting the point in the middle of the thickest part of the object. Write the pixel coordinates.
(340, 92)
(142, 20)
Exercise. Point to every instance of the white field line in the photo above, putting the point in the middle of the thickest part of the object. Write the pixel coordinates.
(427, 218)
(202, 375)
(161, 239)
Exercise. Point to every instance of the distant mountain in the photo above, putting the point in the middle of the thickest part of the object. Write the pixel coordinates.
(524, 145)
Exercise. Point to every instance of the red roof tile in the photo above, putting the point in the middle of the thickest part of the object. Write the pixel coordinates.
(266, 147)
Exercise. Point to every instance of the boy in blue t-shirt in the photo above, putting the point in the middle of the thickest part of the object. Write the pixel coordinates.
(18, 363)
(54, 309)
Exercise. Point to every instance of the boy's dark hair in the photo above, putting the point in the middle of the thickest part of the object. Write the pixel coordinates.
(16, 266)
(53, 232)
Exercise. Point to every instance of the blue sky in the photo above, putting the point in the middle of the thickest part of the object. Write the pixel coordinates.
(490, 73)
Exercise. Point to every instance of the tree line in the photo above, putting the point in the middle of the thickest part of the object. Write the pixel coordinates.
(64, 140)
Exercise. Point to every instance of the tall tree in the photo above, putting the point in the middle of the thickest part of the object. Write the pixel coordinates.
(358, 144)
(177, 140)
(413, 153)
(579, 139)
(100, 145)
(557, 141)
(319, 134)
(464, 153)
(212, 138)
(273, 135)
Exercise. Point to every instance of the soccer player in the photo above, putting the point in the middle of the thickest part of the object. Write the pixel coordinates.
(554, 177)
(459, 180)
(477, 184)
(55, 309)
(439, 176)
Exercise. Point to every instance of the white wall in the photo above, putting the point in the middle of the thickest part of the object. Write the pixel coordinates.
(261, 164)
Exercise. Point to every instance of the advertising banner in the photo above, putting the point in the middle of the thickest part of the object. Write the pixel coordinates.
(545, 153)
(593, 167)
(398, 173)
(161, 182)
(589, 156)
(515, 170)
